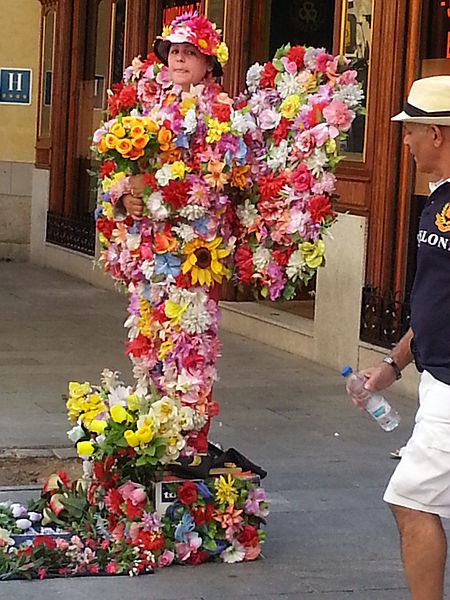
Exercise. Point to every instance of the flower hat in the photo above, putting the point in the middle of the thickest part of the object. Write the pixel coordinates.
(195, 29)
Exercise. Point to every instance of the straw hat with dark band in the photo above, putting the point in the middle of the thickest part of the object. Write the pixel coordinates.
(196, 30)
(428, 102)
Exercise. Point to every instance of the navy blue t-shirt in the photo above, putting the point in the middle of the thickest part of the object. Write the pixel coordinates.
(430, 298)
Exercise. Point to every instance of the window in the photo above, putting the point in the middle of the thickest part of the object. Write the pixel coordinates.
(43, 141)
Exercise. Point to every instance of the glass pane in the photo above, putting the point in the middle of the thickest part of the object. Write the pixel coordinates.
(118, 41)
(175, 8)
(356, 46)
(47, 69)
(215, 10)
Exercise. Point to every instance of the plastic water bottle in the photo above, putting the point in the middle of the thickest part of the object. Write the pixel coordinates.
(376, 405)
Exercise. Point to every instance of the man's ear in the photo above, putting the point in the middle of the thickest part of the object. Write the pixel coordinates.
(437, 134)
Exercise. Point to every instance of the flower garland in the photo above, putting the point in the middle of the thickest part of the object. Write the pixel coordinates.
(303, 103)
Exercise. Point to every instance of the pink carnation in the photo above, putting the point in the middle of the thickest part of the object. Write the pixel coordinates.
(338, 114)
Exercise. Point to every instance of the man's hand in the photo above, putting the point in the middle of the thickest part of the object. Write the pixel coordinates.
(132, 202)
(378, 378)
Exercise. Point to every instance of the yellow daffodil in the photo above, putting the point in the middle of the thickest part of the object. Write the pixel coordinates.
(131, 438)
(174, 311)
(203, 261)
(144, 434)
(118, 413)
(226, 493)
(98, 426)
(78, 390)
(216, 129)
(165, 348)
(85, 448)
(290, 106)
(313, 253)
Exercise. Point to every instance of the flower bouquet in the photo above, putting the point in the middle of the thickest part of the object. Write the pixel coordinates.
(303, 103)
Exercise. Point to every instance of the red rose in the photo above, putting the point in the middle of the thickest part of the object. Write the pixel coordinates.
(221, 111)
(187, 493)
(244, 262)
(280, 133)
(248, 536)
(203, 515)
(319, 207)
(108, 167)
(302, 178)
(297, 55)
(268, 75)
(196, 558)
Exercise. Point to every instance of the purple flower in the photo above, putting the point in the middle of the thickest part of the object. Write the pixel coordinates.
(277, 281)
(151, 521)
(18, 510)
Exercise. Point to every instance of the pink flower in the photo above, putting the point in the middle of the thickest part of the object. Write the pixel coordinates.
(338, 114)
(289, 65)
(166, 559)
(41, 573)
(252, 552)
(61, 544)
(184, 550)
(134, 492)
(111, 568)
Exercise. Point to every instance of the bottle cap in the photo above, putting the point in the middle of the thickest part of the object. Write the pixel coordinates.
(346, 371)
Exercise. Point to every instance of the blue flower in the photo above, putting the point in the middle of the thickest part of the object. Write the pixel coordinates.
(182, 141)
(167, 264)
(185, 526)
(241, 153)
(134, 229)
(229, 159)
(204, 490)
(201, 225)
(98, 212)
(220, 547)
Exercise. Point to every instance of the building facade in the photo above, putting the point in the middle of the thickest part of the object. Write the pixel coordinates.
(74, 50)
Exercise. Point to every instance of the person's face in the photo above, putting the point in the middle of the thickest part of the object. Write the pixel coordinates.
(420, 140)
(187, 65)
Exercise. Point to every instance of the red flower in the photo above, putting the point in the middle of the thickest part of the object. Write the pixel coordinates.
(197, 558)
(133, 511)
(149, 541)
(122, 98)
(44, 540)
(183, 281)
(93, 569)
(175, 193)
(112, 568)
(244, 262)
(150, 60)
(150, 180)
(320, 207)
(268, 75)
(187, 493)
(113, 500)
(139, 346)
(315, 115)
(221, 111)
(105, 226)
(302, 178)
(248, 536)
(108, 167)
(280, 133)
(128, 96)
(199, 442)
(41, 572)
(297, 55)
(203, 515)
(193, 361)
(281, 257)
(322, 62)
(270, 186)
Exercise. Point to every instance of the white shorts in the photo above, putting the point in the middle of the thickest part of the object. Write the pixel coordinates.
(422, 479)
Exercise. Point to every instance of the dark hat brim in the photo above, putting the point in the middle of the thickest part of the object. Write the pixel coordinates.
(161, 48)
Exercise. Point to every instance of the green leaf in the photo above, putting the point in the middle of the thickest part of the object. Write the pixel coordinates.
(278, 65)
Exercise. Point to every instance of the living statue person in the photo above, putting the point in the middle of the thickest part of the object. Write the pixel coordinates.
(419, 490)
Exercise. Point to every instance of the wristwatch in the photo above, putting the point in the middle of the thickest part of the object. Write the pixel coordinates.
(391, 362)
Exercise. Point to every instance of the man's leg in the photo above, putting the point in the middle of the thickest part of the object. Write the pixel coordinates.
(424, 550)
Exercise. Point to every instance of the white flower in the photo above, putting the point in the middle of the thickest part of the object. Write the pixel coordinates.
(351, 95)
(253, 77)
(110, 379)
(288, 85)
(133, 241)
(5, 537)
(277, 156)
(148, 267)
(269, 119)
(295, 264)
(164, 410)
(195, 319)
(164, 175)
(234, 553)
(119, 395)
(261, 258)
(23, 524)
(317, 161)
(190, 121)
(34, 517)
(18, 510)
(242, 123)
(132, 325)
(156, 207)
(191, 212)
(247, 213)
(186, 418)
(185, 232)
(75, 434)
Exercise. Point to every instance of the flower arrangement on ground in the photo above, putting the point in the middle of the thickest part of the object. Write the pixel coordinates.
(303, 103)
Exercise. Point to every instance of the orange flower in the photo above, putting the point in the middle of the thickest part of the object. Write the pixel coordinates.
(164, 138)
(101, 146)
(230, 517)
(111, 141)
(164, 242)
(170, 156)
(238, 176)
(124, 146)
(140, 141)
(137, 131)
(134, 154)
(216, 177)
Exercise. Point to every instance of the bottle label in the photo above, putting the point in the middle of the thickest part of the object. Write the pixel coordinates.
(378, 412)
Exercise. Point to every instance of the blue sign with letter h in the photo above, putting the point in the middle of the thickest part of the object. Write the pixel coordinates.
(15, 86)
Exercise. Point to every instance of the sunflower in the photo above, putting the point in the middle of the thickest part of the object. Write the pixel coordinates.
(203, 261)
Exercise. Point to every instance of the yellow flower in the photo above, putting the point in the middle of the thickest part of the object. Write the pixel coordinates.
(85, 448)
(118, 130)
(215, 130)
(144, 318)
(108, 209)
(98, 426)
(165, 348)
(202, 43)
(150, 125)
(140, 141)
(166, 30)
(203, 261)
(178, 169)
(144, 434)
(131, 438)
(164, 139)
(313, 254)
(330, 146)
(111, 141)
(186, 105)
(290, 106)
(238, 178)
(124, 146)
(174, 311)
(78, 390)
(137, 129)
(118, 413)
(308, 83)
(101, 146)
(133, 402)
(222, 53)
(226, 493)
(109, 182)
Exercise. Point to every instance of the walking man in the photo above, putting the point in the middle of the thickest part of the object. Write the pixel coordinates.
(419, 490)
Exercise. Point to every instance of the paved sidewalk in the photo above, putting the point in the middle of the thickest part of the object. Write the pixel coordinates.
(329, 536)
